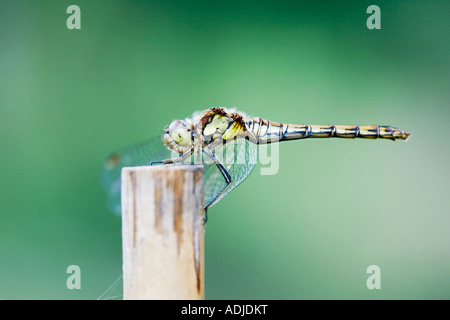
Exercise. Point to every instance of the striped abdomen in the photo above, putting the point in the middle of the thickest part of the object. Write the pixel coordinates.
(265, 131)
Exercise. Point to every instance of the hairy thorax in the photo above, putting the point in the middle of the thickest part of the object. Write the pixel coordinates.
(213, 126)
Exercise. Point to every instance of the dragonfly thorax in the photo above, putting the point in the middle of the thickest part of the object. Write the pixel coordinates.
(178, 136)
(219, 124)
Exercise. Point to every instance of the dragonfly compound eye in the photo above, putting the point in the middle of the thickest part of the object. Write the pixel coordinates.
(180, 133)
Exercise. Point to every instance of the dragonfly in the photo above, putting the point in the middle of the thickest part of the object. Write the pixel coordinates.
(226, 142)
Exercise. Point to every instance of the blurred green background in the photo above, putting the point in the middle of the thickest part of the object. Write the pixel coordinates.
(70, 97)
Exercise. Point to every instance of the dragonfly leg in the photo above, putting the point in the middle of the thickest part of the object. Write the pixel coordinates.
(205, 219)
(225, 174)
(181, 158)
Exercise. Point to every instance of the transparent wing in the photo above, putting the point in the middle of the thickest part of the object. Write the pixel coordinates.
(239, 157)
(142, 154)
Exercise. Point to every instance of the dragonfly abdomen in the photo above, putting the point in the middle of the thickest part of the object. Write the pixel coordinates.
(265, 131)
(355, 131)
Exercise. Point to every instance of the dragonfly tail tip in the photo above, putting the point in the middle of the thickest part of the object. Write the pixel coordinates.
(406, 136)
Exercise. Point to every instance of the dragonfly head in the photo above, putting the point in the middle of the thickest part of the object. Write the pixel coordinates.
(178, 136)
